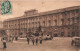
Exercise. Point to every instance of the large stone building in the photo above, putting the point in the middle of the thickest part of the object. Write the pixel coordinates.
(60, 22)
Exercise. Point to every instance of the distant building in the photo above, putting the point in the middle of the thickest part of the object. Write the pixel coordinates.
(60, 22)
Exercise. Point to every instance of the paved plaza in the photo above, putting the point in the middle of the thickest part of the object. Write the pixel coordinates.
(57, 44)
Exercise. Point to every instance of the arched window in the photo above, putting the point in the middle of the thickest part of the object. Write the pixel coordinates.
(49, 22)
(55, 22)
(62, 21)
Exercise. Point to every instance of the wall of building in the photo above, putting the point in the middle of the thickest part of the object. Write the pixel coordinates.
(64, 23)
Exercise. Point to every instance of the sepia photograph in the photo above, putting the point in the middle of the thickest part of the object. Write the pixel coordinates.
(39, 25)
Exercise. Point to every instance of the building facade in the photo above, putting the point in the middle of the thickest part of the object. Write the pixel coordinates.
(60, 22)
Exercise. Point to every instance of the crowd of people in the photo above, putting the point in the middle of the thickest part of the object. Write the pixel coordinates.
(11, 38)
(7, 39)
(34, 40)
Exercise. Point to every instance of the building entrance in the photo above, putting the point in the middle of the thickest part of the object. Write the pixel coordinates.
(55, 35)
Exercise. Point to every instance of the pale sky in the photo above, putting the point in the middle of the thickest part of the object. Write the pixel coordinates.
(18, 7)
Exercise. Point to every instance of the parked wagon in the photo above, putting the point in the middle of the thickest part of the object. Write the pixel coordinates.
(76, 41)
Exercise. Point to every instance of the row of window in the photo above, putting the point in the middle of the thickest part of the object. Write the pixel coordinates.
(44, 23)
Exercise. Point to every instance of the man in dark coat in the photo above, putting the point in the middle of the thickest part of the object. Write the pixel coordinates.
(72, 42)
(33, 40)
(36, 41)
(28, 40)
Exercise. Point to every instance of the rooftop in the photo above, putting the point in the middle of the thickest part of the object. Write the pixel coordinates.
(44, 13)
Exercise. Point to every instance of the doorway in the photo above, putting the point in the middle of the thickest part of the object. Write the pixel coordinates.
(62, 34)
(55, 35)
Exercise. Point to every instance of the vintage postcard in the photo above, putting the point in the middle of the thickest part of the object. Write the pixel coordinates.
(39, 25)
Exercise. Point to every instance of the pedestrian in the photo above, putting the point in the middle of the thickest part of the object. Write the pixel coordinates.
(4, 43)
(9, 38)
(28, 40)
(36, 41)
(12, 38)
(1, 43)
(33, 40)
(72, 42)
(51, 37)
(41, 40)
(16, 37)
